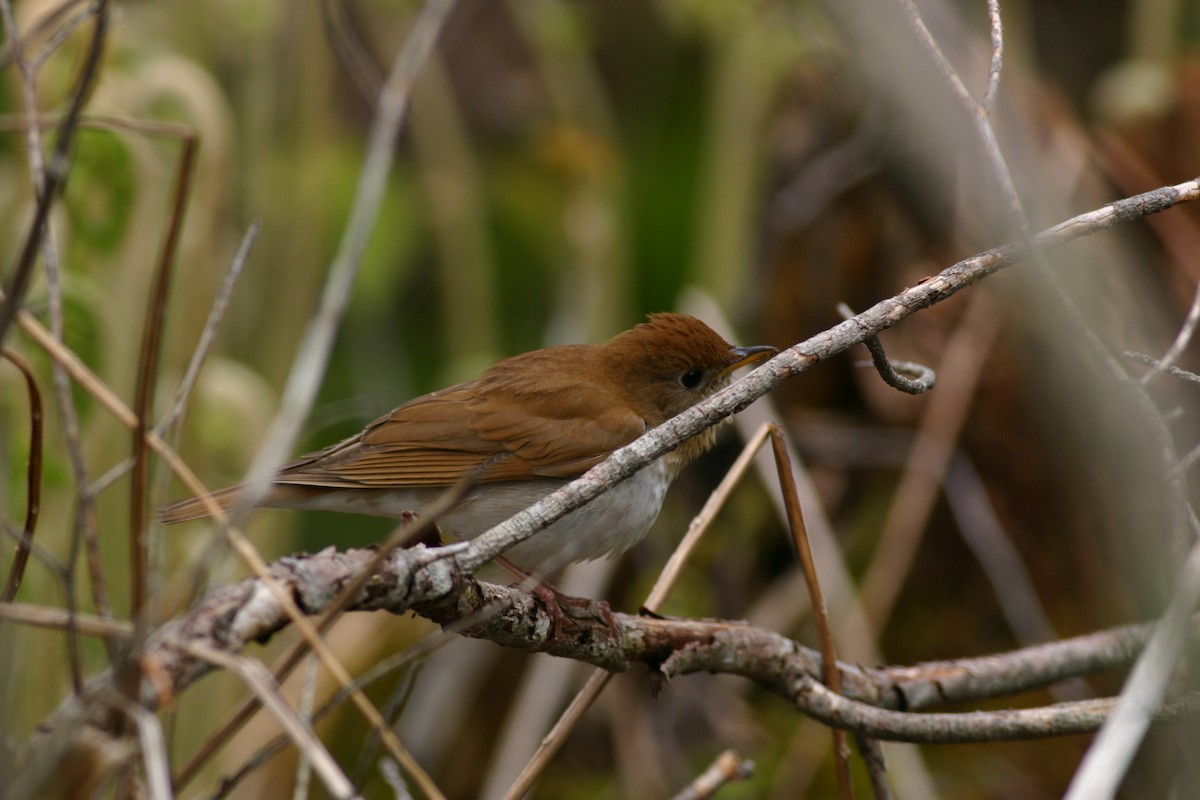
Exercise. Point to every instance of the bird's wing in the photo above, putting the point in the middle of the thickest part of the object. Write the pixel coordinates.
(433, 440)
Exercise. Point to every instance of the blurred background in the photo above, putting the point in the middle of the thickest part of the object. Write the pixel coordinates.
(566, 168)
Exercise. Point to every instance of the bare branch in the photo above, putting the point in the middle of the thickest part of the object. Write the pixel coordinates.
(229, 618)
(33, 480)
(727, 768)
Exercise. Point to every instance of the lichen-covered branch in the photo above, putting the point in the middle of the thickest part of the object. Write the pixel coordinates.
(230, 618)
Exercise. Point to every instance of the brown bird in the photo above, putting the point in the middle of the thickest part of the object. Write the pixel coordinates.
(527, 426)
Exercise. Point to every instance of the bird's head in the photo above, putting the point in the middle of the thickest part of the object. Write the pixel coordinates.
(673, 361)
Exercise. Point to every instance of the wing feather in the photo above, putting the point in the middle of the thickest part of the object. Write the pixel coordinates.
(504, 425)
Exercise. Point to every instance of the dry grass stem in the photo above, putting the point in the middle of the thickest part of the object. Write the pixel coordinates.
(595, 684)
(829, 670)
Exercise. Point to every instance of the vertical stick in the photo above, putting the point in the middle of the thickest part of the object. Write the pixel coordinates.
(829, 670)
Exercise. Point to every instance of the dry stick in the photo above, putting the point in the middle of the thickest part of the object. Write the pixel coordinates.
(403, 534)
(64, 31)
(727, 768)
(308, 692)
(33, 479)
(59, 619)
(872, 756)
(153, 746)
(1150, 361)
(1184, 337)
(1060, 719)
(147, 371)
(996, 31)
(258, 680)
(923, 378)
(208, 335)
(829, 668)
(658, 594)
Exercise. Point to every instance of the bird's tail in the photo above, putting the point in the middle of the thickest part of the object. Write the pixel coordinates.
(195, 508)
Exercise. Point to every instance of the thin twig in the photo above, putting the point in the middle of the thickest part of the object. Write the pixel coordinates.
(147, 371)
(258, 680)
(996, 31)
(1150, 361)
(890, 370)
(300, 788)
(59, 619)
(1182, 339)
(153, 746)
(212, 324)
(829, 670)
(726, 768)
(1060, 719)
(13, 49)
(872, 756)
(33, 478)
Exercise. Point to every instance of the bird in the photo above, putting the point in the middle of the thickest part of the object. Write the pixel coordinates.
(527, 426)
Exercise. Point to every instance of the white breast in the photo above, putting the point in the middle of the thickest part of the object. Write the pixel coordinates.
(607, 526)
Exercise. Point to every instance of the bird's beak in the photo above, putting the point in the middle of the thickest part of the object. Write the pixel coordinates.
(744, 356)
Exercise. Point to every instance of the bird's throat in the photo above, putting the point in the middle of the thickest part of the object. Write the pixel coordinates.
(689, 451)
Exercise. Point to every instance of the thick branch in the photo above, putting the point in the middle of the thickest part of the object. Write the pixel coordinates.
(229, 618)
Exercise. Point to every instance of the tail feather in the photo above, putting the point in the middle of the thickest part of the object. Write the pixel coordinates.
(195, 508)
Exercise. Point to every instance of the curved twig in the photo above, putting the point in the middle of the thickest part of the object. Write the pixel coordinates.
(33, 481)
(922, 379)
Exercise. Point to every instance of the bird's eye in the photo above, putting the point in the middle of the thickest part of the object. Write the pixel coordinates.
(691, 378)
